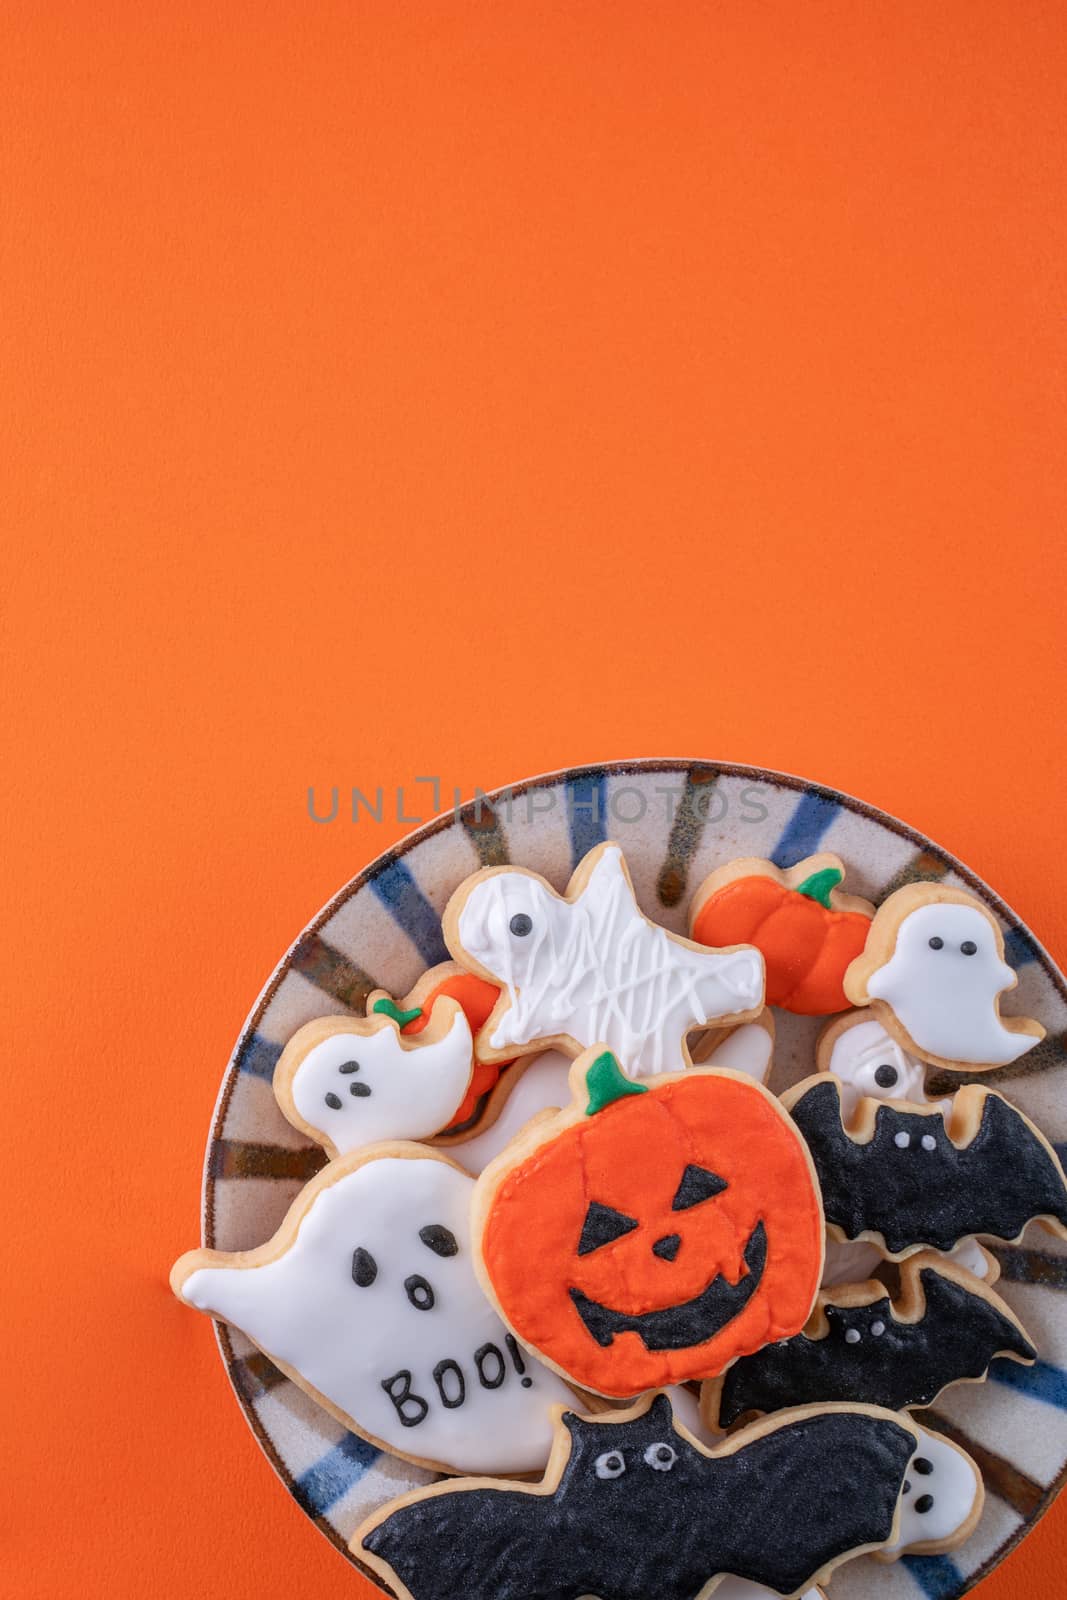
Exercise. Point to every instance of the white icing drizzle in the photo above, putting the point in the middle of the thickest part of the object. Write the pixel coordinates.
(307, 1309)
(404, 1091)
(598, 970)
(950, 1480)
(945, 997)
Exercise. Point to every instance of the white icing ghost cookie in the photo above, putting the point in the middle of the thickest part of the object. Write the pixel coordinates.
(932, 971)
(367, 1298)
(941, 1500)
(589, 968)
(349, 1082)
(540, 1083)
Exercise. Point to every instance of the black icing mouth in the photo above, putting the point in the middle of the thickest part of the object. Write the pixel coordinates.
(693, 1322)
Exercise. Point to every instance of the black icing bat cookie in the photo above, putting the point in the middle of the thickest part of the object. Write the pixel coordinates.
(903, 1179)
(634, 1507)
(945, 1327)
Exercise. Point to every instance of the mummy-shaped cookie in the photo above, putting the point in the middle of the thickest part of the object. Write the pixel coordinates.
(906, 1178)
(944, 1328)
(348, 1083)
(366, 1297)
(933, 971)
(633, 1507)
(540, 1084)
(869, 1062)
(590, 968)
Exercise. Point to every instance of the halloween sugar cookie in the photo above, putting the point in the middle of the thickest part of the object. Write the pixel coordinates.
(348, 1083)
(651, 1231)
(589, 967)
(869, 1061)
(905, 1177)
(806, 927)
(933, 971)
(860, 1344)
(632, 1506)
(367, 1298)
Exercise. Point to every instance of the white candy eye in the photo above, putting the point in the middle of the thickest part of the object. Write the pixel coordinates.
(660, 1457)
(610, 1464)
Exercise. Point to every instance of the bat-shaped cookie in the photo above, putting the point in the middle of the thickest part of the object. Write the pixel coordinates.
(633, 1507)
(902, 1178)
(859, 1345)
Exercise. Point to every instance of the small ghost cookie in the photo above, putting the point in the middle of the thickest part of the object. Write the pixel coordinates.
(367, 1298)
(906, 1177)
(651, 1231)
(348, 1083)
(933, 971)
(945, 1328)
(807, 928)
(589, 968)
(632, 1506)
(413, 1013)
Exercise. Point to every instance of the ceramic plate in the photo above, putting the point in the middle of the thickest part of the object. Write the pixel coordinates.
(676, 820)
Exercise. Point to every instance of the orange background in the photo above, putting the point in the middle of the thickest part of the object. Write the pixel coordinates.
(473, 389)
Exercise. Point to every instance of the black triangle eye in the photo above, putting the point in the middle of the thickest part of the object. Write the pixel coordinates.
(697, 1184)
(602, 1225)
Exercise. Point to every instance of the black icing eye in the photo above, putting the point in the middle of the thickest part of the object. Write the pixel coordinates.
(441, 1240)
(419, 1292)
(364, 1268)
(359, 1091)
(660, 1457)
(348, 1066)
(520, 924)
(610, 1464)
(937, 943)
(601, 1226)
(697, 1184)
(333, 1101)
(885, 1076)
(968, 947)
(924, 1503)
(922, 1466)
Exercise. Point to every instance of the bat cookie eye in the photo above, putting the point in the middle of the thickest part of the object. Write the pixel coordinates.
(660, 1457)
(521, 924)
(419, 1292)
(937, 943)
(610, 1464)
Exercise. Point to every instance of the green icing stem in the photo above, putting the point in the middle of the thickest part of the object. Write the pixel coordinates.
(389, 1008)
(818, 886)
(605, 1082)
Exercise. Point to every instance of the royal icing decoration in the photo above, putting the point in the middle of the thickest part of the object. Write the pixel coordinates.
(413, 1013)
(861, 1345)
(349, 1083)
(633, 1507)
(367, 1297)
(869, 1063)
(807, 929)
(590, 968)
(933, 971)
(650, 1233)
(904, 1178)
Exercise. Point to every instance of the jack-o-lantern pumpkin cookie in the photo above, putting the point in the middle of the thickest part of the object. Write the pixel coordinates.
(933, 971)
(945, 1327)
(807, 928)
(909, 1177)
(413, 1013)
(589, 968)
(349, 1082)
(632, 1506)
(651, 1232)
(367, 1298)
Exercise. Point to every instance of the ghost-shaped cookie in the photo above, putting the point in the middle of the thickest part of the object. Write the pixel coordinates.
(367, 1298)
(589, 968)
(349, 1082)
(932, 971)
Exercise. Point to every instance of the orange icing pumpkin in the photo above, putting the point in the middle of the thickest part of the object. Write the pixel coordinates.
(652, 1232)
(807, 929)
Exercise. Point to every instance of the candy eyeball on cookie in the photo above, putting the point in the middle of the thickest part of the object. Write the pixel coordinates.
(870, 1064)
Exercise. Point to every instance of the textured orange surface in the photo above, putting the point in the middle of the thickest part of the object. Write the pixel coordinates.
(465, 389)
